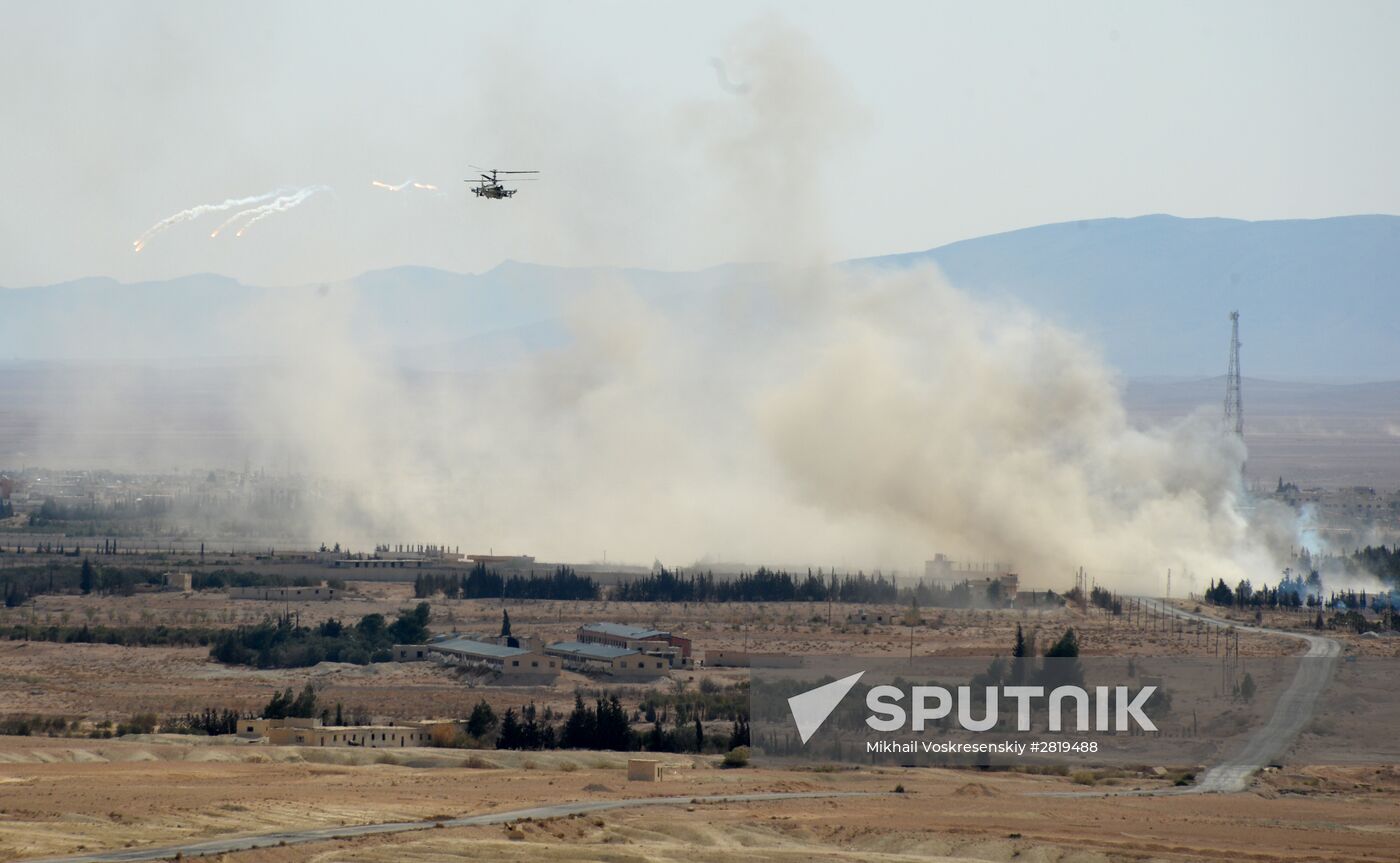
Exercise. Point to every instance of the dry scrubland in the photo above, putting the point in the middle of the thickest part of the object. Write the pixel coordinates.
(66, 795)
(1301, 621)
(97, 682)
(59, 796)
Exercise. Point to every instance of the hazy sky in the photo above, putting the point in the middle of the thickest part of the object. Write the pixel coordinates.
(975, 117)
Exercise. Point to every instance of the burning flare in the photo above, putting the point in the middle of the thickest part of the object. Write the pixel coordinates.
(195, 212)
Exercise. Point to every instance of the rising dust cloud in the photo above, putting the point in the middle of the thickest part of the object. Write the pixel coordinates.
(808, 415)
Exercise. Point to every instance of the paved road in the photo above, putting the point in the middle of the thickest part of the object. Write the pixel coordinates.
(1295, 707)
(322, 834)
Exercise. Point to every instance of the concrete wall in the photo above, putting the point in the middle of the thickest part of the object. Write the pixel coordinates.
(530, 668)
(727, 658)
(643, 770)
(410, 652)
(253, 728)
(283, 594)
(639, 665)
(523, 669)
(370, 736)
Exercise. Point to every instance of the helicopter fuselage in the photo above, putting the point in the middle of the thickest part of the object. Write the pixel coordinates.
(493, 192)
(489, 185)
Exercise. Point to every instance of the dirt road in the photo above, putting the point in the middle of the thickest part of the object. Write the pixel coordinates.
(296, 837)
(1295, 707)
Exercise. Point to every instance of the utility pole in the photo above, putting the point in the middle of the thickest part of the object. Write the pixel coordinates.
(1234, 408)
(830, 591)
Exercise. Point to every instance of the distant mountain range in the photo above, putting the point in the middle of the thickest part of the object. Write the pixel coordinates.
(1319, 300)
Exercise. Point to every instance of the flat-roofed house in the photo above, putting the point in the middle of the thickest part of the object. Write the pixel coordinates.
(516, 664)
(609, 659)
(676, 648)
(296, 731)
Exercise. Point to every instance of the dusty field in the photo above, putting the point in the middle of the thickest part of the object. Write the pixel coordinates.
(1303, 621)
(96, 682)
(210, 608)
(65, 796)
(99, 681)
(764, 627)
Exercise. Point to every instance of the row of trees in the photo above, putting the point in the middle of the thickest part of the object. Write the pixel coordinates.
(284, 643)
(127, 636)
(1245, 595)
(1101, 598)
(768, 585)
(51, 512)
(210, 721)
(222, 578)
(1381, 561)
(605, 725)
(1294, 593)
(483, 583)
(599, 722)
(18, 584)
(283, 705)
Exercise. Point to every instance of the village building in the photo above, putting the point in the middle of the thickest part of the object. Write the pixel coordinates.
(294, 731)
(676, 648)
(865, 617)
(516, 664)
(608, 659)
(318, 592)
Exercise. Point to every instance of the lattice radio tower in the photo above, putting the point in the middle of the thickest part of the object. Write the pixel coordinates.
(1234, 409)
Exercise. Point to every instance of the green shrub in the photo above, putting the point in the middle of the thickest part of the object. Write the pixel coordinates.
(140, 723)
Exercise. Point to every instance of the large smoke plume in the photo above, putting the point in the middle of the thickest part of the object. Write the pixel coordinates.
(795, 414)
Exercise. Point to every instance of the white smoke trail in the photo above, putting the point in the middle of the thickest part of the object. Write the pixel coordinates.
(195, 212)
(406, 184)
(846, 415)
(280, 204)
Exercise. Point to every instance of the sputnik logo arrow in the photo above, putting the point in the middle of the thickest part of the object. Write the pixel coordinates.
(811, 708)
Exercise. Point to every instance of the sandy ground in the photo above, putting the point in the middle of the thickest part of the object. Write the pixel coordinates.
(66, 795)
(61, 796)
(796, 627)
(1303, 620)
(805, 628)
(99, 681)
(96, 682)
